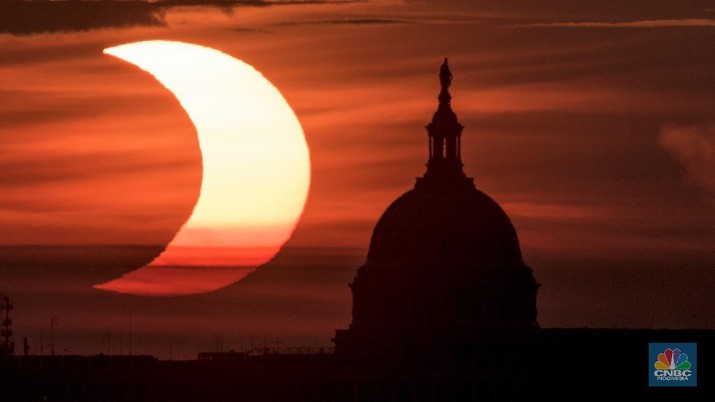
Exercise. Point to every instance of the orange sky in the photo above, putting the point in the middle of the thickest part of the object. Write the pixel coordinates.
(565, 124)
(592, 125)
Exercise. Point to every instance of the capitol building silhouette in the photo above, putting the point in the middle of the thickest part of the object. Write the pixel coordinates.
(444, 309)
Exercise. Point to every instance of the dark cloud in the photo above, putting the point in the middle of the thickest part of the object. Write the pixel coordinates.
(26, 17)
(29, 17)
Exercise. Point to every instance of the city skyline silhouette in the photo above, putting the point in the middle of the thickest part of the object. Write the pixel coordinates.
(444, 308)
(589, 127)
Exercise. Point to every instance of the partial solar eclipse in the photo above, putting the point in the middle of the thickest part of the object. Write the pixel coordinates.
(256, 167)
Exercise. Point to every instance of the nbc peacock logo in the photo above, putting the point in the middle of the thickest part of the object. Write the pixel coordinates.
(672, 359)
(673, 365)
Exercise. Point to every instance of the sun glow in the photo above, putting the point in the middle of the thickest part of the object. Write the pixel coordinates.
(256, 167)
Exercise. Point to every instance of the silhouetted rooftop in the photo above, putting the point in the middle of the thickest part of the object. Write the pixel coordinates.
(444, 218)
(447, 226)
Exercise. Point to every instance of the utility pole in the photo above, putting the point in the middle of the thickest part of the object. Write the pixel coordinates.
(53, 322)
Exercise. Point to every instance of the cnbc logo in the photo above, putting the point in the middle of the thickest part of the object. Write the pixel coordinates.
(673, 364)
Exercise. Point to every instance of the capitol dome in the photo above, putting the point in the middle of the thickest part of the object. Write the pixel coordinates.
(427, 225)
(444, 262)
(444, 217)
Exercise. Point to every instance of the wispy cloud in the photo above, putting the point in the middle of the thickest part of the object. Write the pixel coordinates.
(348, 21)
(665, 23)
(694, 148)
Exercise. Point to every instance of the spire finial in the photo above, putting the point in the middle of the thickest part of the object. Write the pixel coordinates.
(445, 75)
(445, 79)
(445, 160)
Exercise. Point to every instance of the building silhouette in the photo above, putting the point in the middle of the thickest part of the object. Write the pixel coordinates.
(444, 310)
(444, 266)
(444, 307)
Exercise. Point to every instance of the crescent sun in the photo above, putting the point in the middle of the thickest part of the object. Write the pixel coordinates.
(256, 165)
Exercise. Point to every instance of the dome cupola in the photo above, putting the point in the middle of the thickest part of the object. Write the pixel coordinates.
(444, 217)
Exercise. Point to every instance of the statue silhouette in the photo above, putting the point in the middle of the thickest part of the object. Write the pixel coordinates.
(445, 75)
